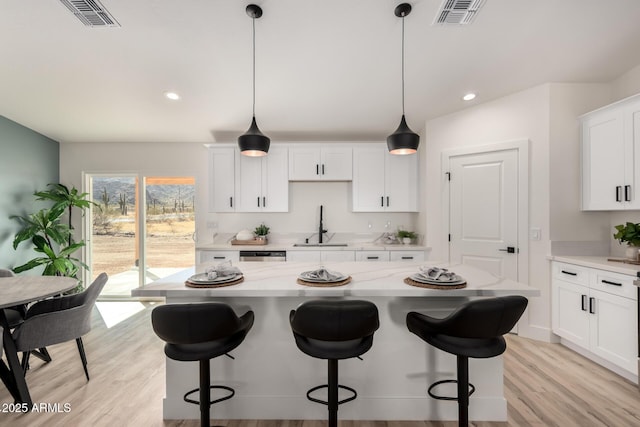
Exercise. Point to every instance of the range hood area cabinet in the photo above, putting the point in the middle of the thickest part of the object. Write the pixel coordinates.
(320, 163)
(248, 184)
(383, 182)
(611, 157)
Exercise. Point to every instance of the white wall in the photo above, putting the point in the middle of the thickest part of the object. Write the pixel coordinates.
(179, 159)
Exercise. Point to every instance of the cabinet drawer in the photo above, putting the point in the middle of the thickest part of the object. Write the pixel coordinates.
(218, 256)
(614, 283)
(406, 256)
(372, 256)
(571, 273)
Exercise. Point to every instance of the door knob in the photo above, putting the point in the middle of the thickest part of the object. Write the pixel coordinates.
(510, 249)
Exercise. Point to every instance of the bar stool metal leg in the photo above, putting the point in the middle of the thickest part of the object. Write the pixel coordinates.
(333, 392)
(463, 391)
(205, 393)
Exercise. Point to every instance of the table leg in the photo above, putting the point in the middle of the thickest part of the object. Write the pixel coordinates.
(13, 375)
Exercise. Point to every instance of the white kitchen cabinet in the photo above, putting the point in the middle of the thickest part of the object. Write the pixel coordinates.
(216, 256)
(372, 256)
(320, 256)
(222, 179)
(383, 182)
(596, 310)
(262, 182)
(611, 157)
(320, 163)
(337, 256)
(303, 256)
(406, 256)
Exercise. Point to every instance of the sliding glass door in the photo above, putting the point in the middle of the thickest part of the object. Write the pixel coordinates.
(141, 229)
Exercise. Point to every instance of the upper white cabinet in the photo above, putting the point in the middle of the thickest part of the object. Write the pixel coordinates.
(383, 182)
(222, 197)
(320, 163)
(262, 182)
(611, 157)
(248, 184)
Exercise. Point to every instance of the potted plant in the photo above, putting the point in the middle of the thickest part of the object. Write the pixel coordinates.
(406, 236)
(261, 232)
(50, 236)
(629, 233)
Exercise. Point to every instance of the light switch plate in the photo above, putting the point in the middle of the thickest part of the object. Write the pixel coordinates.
(535, 233)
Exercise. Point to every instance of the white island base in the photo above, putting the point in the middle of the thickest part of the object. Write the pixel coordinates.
(271, 376)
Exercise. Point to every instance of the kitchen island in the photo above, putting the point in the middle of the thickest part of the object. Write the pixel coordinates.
(271, 376)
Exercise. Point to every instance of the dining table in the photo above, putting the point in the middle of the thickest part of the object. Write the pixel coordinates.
(19, 290)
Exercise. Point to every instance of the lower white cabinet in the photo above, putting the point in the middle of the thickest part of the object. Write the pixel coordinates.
(320, 256)
(406, 256)
(372, 256)
(596, 310)
(203, 255)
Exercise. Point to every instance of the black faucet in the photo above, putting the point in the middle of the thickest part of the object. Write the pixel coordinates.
(321, 229)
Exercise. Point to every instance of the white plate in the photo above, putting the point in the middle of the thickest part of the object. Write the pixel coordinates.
(305, 276)
(456, 281)
(202, 278)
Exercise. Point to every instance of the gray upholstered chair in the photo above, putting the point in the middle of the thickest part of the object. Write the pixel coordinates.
(15, 314)
(57, 320)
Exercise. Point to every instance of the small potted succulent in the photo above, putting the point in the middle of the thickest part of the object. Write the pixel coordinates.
(406, 236)
(629, 233)
(261, 232)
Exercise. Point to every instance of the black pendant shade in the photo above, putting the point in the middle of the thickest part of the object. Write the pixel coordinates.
(403, 140)
(253, 142)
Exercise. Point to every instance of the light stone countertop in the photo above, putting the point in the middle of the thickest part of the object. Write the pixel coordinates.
(599, 262)
(369, 279)
(290, 247)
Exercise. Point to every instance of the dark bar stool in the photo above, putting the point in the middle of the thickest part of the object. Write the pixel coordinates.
(334, 330)
(201, 332)
(475, 329)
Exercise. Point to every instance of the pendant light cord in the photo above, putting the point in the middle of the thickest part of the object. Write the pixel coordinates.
(253, 21)
(403, 64)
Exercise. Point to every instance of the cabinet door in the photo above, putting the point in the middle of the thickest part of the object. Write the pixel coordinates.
(613, 329)
(372, 256)
(401, 183)
(303, 256)
(221, 180)
(337, 256)
(206, 256)
(249, 184)
(603, 160)
(632, 155)
(368, 179)
(336, 163)
(304, 163)
(570, 313)
(406, 256)
(275, 181)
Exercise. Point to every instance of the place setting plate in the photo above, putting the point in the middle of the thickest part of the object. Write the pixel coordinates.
(308, 278)
(202, 281)
(449, 280)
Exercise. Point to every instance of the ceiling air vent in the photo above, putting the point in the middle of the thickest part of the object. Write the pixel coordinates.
(458, 12)
(91, 13)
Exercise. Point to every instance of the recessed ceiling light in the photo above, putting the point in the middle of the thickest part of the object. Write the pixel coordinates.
(172, 96)
(469, 96)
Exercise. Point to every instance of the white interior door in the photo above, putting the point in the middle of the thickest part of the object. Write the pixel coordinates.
(483, 222)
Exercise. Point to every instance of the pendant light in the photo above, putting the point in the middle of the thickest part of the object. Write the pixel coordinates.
(403, 140)
(253, 142)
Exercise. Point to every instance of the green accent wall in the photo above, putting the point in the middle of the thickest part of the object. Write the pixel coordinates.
(28, 162)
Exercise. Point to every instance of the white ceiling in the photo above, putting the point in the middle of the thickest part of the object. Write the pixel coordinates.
(325, 69)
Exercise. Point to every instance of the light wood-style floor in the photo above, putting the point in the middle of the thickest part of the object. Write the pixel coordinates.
(545, 385)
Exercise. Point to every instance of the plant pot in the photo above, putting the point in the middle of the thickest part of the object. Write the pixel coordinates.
(632, 253)
(406, 240)
(261, 237)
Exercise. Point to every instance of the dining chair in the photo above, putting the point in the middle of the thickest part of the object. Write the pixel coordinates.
(15, 315)
(57, 320)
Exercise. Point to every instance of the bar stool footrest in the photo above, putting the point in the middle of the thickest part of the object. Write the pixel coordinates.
(219, 387)
(472, 388)
(340, 402)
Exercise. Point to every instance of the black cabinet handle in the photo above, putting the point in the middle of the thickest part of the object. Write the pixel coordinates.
(592, 305)
(258, 201)
(618, 193)
(382, 201)
(230, 202)
(611, 283)
(387, 201)
(584, 303)
(407, 257)
(569, 273)
(627, 193)
(372, 257)
(219, 257)
(264, 202)
(317, 169)
(323, 169)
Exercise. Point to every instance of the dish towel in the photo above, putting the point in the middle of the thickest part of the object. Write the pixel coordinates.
(224, 269)
(436, 273)
(322, 274)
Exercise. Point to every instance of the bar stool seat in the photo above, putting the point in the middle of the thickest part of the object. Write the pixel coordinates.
(475, 329)
(201, 332)
(334, 330)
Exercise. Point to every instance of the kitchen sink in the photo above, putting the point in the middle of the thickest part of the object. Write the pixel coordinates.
(307, 245)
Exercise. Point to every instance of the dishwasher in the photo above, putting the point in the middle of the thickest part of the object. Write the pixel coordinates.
(263, 256)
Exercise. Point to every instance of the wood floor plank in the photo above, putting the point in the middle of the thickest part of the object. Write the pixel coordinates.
(545, 385)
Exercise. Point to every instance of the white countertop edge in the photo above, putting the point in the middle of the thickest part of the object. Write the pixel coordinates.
(599, 262)
(290, 247)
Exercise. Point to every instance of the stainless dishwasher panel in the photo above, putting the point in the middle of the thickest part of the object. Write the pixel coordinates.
(263, 256)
